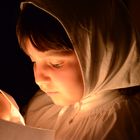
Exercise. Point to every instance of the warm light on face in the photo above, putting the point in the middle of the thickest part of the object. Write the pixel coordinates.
(57, 73)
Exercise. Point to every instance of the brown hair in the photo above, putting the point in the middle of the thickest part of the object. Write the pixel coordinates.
(43, 30)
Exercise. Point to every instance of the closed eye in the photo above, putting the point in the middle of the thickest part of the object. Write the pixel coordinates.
(57, 65)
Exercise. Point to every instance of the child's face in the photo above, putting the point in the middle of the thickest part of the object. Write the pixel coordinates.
(57, 73)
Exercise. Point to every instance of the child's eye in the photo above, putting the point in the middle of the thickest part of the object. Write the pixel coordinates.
(57, 65)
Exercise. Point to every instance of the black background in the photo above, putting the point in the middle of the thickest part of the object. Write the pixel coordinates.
(16, 75)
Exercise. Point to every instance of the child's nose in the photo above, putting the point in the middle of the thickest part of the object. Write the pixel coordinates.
(41, 74)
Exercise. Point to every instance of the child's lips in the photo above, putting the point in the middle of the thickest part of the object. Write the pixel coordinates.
(47, 90)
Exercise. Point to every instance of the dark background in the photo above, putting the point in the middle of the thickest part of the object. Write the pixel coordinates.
(16, 75)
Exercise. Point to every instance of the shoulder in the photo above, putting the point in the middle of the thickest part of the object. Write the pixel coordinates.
(120, 118)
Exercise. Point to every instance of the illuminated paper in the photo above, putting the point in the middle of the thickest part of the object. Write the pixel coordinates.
(13, 131)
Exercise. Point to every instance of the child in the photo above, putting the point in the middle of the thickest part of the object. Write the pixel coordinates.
(86, 62)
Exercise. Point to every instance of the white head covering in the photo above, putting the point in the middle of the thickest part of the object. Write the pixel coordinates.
(103, 39)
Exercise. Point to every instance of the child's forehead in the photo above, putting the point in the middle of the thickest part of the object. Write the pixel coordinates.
(34, 54)
(58, 53)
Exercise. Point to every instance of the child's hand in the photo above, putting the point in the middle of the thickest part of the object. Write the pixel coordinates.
(5, 108)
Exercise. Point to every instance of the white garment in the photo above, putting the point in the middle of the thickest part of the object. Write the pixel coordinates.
(112, 117)
(107, 48)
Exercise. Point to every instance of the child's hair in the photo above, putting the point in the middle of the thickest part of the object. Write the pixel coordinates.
(43, 30)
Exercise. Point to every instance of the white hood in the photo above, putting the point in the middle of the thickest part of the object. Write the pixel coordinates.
(103, 39)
